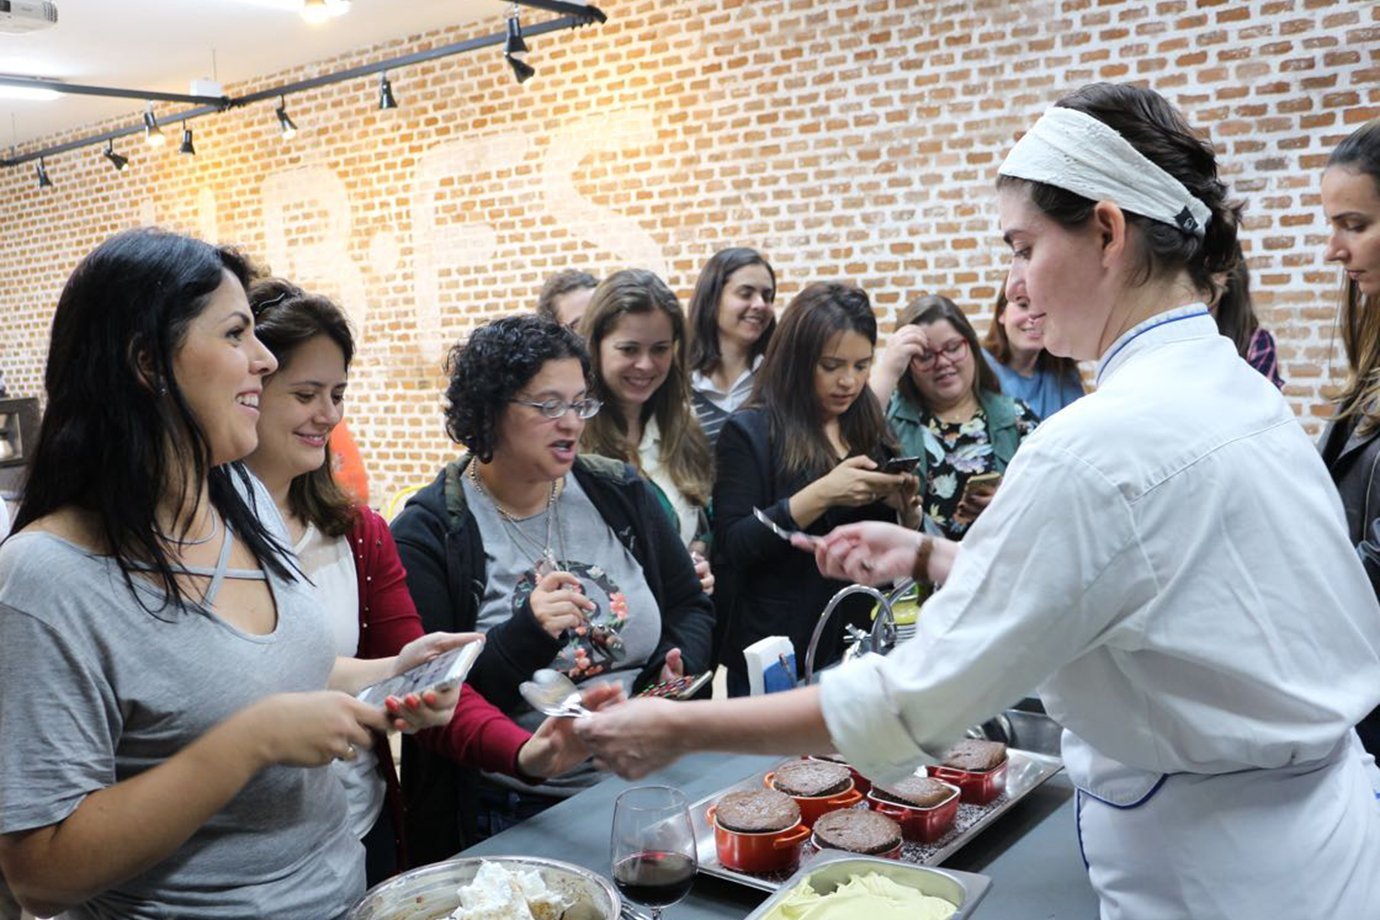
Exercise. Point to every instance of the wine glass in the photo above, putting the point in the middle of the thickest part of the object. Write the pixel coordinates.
(653, 847)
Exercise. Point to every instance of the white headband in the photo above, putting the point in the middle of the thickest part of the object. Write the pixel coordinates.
(1080, 154)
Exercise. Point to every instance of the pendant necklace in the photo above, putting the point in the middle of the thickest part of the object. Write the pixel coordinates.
(544, 561)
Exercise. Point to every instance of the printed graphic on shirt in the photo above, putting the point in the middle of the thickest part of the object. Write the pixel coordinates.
(597, 646)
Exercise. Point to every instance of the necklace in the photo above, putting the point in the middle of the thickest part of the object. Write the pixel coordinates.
(199, 541)
(544, 560)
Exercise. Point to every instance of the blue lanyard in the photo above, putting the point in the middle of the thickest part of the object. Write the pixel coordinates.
(1140, 332)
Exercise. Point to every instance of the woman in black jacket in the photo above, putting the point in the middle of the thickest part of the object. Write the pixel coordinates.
(807, 452)
(1351, 444)
(562, 561)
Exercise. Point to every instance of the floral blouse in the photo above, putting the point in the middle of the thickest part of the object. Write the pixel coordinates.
(967, 452)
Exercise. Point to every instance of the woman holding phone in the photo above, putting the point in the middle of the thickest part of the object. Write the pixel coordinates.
(180, 686)
(947, 409)
(348, 553)
(1166, 558)
(807, 452)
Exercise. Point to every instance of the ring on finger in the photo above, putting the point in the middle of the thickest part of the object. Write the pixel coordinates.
(351, 752)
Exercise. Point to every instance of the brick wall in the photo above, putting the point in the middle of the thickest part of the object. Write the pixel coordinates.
(854, 140)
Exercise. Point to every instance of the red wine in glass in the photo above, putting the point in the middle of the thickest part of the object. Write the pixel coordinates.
(656, 879)
(652, 847)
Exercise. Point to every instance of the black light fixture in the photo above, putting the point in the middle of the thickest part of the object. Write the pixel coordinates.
(285, 124)
(522, 70)
(41, 170)
(386, 100)
(115, 159)
(153, 135)
(514, 45)
(187, 147)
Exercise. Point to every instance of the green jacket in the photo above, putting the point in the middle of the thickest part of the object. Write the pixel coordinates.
(911, 428)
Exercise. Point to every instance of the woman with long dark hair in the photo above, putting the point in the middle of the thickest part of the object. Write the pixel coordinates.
(1351, 444)
(348, 553)
(1165, 560)
(807, 452)
(731, 324)
(175, 664)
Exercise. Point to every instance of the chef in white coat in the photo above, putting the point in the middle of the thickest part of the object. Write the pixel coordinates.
(1167, 556)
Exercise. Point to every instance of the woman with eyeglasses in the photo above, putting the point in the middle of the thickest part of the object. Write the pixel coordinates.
(946, 407)
(562, 560)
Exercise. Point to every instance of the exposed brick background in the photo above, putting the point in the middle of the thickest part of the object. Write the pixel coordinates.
(855, 140)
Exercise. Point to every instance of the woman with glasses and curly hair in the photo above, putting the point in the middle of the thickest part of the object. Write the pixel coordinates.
(946, 407)
(562, 560)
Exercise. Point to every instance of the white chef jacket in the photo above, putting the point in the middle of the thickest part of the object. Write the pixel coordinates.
(1170, 558)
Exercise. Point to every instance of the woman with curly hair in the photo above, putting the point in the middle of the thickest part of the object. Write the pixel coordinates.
(562, 560)
(347, 552)
(635, 332)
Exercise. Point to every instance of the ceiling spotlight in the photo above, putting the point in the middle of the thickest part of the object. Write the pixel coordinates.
(186, 147)
(514, 45)
(319, 11)
(153, 135)
(41, 170)
(115, 159)
(522, 70)
(285, 124)
(386, 100)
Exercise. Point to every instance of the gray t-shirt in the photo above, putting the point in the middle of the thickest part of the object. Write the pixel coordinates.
(586, 546)
(97, 690)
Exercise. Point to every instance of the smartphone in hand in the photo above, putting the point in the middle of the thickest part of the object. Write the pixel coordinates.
(901, 464)
(442, 673)
(981, 483)
(680, 688)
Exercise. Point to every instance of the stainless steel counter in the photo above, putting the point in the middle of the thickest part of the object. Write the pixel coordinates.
(1031, 852)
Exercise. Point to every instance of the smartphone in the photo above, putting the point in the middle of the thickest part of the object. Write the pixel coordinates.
(982, 482)
(442, 673)
(901, 464)
(682, 688)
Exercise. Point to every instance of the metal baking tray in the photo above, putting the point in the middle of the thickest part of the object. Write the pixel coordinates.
(829, 870)
(1025, 771)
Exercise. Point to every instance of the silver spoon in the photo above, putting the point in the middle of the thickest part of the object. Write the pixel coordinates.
(552, 693)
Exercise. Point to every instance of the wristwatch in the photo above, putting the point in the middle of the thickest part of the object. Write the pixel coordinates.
(920, 570)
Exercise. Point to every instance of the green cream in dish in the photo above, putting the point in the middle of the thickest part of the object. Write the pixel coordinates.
(863, 897)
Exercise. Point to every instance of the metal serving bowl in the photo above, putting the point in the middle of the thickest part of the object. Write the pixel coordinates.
(429, 893)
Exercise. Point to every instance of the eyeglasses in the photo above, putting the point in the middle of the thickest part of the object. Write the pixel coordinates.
(555, 408)
(952, 352)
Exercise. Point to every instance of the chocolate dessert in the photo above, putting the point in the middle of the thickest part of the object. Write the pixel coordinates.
(757, 811)
(812, 778)
(917, 791)
(975, 756)
(858, 831)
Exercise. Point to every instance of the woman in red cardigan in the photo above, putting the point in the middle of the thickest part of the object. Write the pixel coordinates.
(349, 555)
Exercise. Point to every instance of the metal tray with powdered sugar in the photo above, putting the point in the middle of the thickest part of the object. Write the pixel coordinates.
(1026, 771)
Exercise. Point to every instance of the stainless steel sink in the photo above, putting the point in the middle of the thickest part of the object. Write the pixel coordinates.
(1025, 726)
